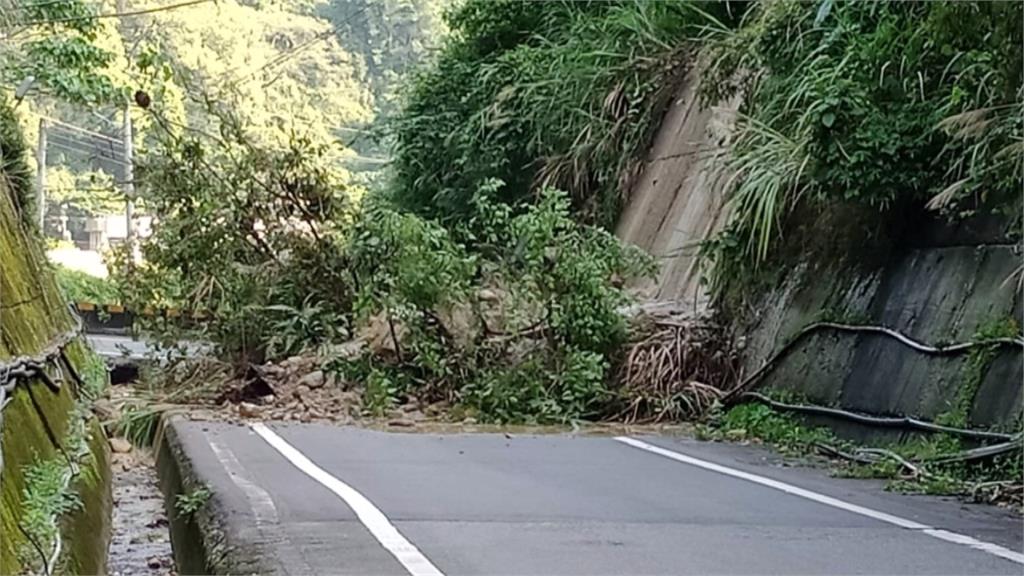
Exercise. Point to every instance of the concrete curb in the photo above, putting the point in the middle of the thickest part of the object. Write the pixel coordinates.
(223, 536)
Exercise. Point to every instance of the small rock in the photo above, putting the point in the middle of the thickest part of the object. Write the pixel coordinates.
(247, 410)
(314, 379)
(411, 407)
(301, 391)
(153, 563)
(105, 410)
(487, 295)
(469, 420)
(401, 423)
(395, 414)
(272, 370)
(415, 416)
(120, 445)
(332, 380)
(266, 400)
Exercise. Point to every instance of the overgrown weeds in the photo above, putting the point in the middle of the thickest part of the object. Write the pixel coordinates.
(934, 464)
(884, 104)
(561, 94)
(187, 504)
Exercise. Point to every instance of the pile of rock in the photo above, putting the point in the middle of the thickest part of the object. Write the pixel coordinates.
(294, 389)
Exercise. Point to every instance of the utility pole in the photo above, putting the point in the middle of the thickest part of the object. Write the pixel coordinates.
(41, 175)
(129, 162)
(129, 184)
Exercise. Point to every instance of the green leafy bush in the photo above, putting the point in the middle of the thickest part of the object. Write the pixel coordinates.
(521, 329)
(78, 286)
(248, 232)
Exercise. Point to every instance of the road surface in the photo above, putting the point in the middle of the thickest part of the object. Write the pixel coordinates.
(128, 348)
(319, 499)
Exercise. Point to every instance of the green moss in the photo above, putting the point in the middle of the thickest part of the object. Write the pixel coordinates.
(39, 420)
(978, 362)
(89, 555)
(24, 440)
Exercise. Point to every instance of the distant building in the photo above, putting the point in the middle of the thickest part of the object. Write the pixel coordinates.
(111, 230)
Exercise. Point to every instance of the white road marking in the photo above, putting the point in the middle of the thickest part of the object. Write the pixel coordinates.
(259, 499)
(375, 521)
(988, 547)
(261, 503)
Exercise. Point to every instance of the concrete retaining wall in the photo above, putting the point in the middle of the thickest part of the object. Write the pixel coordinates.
(938, 283)
(38, 421)
(933, 292)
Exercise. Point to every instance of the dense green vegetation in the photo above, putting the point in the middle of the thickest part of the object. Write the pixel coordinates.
(521, 328)
(540, 94)
(887, 105)
(267, 241)
(81, 287)
(480, 272)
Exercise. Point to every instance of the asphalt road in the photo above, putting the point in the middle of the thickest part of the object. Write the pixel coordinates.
(126, 347)
(317, 499)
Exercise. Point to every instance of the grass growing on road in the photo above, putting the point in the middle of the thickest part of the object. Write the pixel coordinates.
(920, 465)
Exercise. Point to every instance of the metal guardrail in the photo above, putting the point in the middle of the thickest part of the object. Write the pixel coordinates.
(117, 319)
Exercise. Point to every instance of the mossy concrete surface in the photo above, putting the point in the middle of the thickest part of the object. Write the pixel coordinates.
(222, 536)
(935, 292)
(37, 421)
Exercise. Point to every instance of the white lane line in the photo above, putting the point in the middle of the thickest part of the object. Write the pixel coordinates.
(261, 504)
(259, 499)
(993, 549)
(415, 563)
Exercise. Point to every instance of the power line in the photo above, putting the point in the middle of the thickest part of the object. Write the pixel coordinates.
(90, 155)
(116, 14)
(80, 129)
(78, 140)
(83, 139)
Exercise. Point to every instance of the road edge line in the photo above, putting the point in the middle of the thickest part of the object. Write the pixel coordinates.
(407, 554)
(945, 535)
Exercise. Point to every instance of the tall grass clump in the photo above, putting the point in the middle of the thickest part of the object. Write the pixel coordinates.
(883, 105)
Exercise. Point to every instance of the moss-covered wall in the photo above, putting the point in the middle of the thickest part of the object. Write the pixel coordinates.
(939, 284)
(38, 421)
